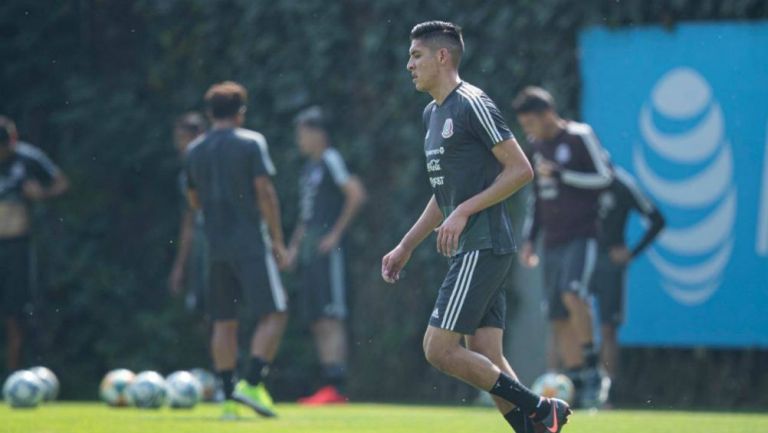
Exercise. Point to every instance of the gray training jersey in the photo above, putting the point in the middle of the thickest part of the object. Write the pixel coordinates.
(221, 167)
(322, 196)
(460, 164)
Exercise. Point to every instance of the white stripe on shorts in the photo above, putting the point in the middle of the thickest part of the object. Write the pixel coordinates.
(459, 293)
(455, 290)
(273, 274)
(275, 283)
(590, 259)
(338, 287)
(467, 283)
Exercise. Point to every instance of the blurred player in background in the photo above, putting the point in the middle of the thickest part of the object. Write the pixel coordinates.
(229, 177)
(474, 164)
(190, 267)
(571, 170)
(609, 281)
(26, 176)
(329, 200)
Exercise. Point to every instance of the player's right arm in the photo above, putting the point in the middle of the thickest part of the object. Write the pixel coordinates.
(528, 256)
(395, 260)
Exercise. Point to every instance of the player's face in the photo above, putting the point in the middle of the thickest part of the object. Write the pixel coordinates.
(534, 124)
(310, 140)
(182, 138)
(423, 65)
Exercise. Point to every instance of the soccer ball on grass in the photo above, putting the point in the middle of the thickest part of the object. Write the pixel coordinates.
(114, 387)
(184, 390)
(23, 389)
(147, 391)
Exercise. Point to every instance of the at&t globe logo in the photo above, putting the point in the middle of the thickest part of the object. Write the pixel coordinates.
(686, 162)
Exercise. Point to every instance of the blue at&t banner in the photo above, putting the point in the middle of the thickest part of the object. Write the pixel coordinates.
(686, 111)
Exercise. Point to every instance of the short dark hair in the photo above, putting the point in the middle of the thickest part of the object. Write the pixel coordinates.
(441, 34)
(192, 122)
(312, 117)
(7, 130)
(533, 99)
(226, 99)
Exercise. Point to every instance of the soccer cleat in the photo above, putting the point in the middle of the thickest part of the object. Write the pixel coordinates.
(229, 410)
(595, 388)
(325, 395)
(255, 397)
(556, 419)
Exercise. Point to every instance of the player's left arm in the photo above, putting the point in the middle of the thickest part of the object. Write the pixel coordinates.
(354, 198)
(657, 223)
(48, 181)
(642, 204)
(596, 173)
(516, 172)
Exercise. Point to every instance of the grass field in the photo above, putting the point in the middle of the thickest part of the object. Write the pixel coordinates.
(355, 418)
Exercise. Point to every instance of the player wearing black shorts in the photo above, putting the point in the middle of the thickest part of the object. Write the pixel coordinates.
(474, 164)
(229, 174)
(26, 176)
(609, 281)
(330, 197)
(571, 170)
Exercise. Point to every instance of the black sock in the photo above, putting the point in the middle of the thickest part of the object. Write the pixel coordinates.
(591, 355)
(516, 393)
(257, 371)
(335, 375)
(519, 422)
(227, 382)
(575, 375)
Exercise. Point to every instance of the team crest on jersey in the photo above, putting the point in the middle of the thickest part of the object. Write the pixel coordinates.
(17, 170)
(607, 201)
(448, 128)
(562, 153)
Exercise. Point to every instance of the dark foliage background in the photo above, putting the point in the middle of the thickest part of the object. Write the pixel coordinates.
(97, 84)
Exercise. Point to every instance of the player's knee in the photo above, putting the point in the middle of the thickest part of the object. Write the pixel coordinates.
(280, 318)
(437, 355)
(572, 300)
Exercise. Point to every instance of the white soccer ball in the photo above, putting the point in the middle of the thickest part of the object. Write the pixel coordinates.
(50, 381)
(184, 390)
(147, 391)
(207, 381)
(114, 387)
(23, 389)
(554, 385)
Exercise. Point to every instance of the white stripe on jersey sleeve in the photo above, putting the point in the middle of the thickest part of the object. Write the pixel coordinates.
(336, 166)
(645, 204)
(32, 152)
(602, 177)
(263, 148)
(482, 113)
